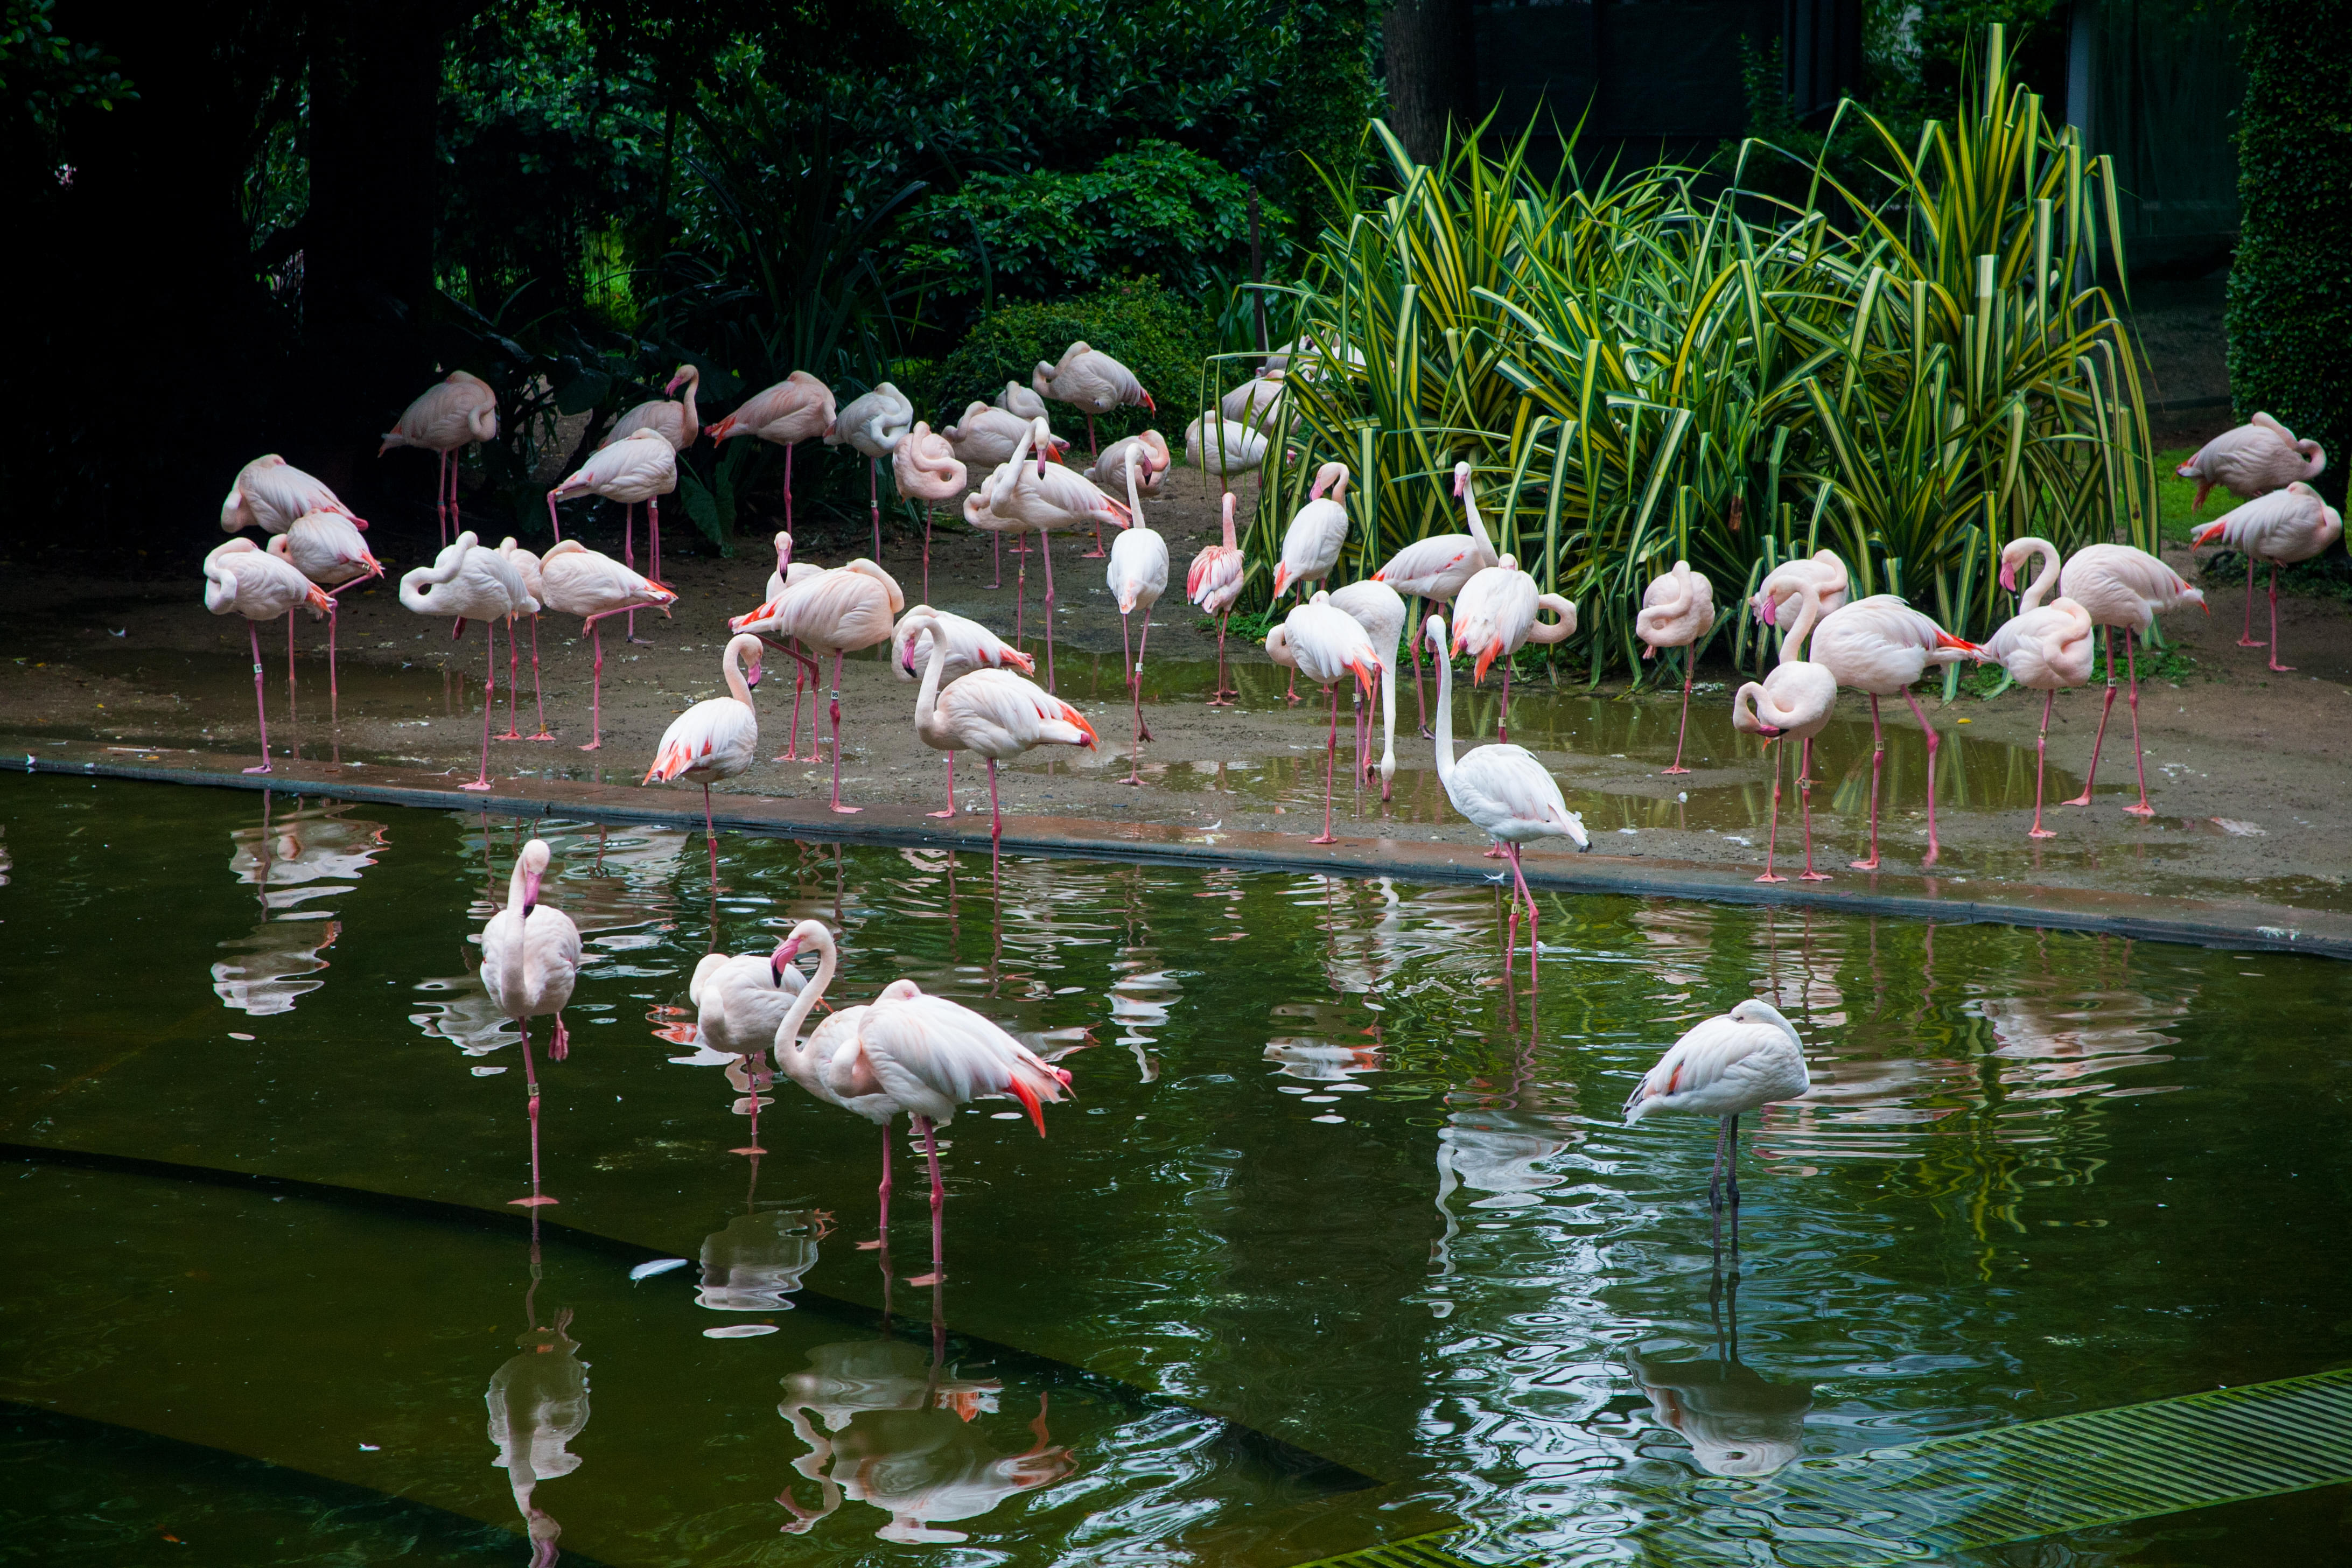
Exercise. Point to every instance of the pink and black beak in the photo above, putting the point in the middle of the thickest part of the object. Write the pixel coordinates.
(2007, 578)
(675, 383)
(786, 951)
(530, 892)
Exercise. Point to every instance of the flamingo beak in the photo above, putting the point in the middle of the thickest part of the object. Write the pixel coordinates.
(2007, 578)
(1459, 480)
(530, 892)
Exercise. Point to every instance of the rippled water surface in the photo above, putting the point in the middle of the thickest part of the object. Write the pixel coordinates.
(1340, 1241)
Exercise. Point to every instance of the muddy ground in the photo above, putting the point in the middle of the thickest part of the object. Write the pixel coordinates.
(2244, 766)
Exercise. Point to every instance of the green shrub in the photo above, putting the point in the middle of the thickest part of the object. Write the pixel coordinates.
(1155, 333)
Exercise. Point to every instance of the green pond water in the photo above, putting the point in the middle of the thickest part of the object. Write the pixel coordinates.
(1341, 1240)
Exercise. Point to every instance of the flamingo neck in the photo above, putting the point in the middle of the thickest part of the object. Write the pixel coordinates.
(512, 975)
(1793, 650)
(1232, 542)
(927, 719)
(739, 688)
(1477, 526)
(2043, 580)
(791, 1058)
(1445, 703)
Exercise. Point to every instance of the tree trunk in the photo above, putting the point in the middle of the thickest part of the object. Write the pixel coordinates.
(1431, 70)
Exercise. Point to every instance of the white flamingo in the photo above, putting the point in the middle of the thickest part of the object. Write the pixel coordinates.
(1781, 594)
(1881, 645)
(1093, 381)
(2123, 589)
(1730, 1064)
(1794, 700)
(1226, 450)
(2282, 527)
(456, 413)
(1380, 610)
(328, 548)
(2253, 460)
(241, 579)
(526, 566)
(1438, 566)
(471, 582)
(269, 494)
(2044, 648)
(838, 613)
(578, 580)
(872, 426)
(1052, 498)
(924, 464)
(985, 437)
(1213, 582)
(739, 1000)
(531, 960)
(796, 409)
(1311, 547)
(677, 421)
(994, 713)
(970, 646)
(641, 468)
(1677, 610)
(1327, 645)
(1137, 576)
(716, 739)
(1147, 452)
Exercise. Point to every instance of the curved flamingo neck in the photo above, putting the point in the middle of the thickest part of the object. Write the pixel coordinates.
(693, 419)
(1444, 701)
(1010, 480)
(2043, 580)
(739, 688)
(790, 1056)
(518, 891)
(1809, 610)
(1477, 526)
(927, 719)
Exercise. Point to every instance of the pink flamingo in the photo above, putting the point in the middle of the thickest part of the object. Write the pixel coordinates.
(450, 418)
(1150, 455)
(788, 572)
(1328, 644)
(739, 1002)
(1725, 1068)
(327, 548)
(269, 494)
(471, 584)
(1505, 792)
(1052, 498)
(838, 613)
(1380, 610)
(970, 646)
(1880, 646)
(796, 409)
(924, 463)
(2044, 648)
(1781, 594)
(1137, 576)
(2123, 589)
(2252, 461)
(1437, 567)
(2282, 527)
(586, 583)
(1496, 614)
(531, 960)
(1677, 610)
(526, 566)
(874, 425)
(243, 579)
(677, 422)
(643, 467)
(716, 739)
(1214, 582)
(984, 439)
(991, 711)
(1795, 700)
(906, 1051)
(1093, 381)
(1310, 546)
(1226, 450)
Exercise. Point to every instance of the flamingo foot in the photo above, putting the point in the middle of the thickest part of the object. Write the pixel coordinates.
(2142, 809)
(2044, 832)
(530, 1203)
(849, 810)
(262, 769)
(1869, 865)
(949, 812)
(933, 1279)
(640, 642)
(1667, 771)
(1770, 877)
(1325, 838)
(593, 746)
(1815, 877)
(543, 735)
(1220, 701)
(2282, 668)
(477, 784)
(512, 734)
(2252, 642)
(747, 1149)
(1494, 852)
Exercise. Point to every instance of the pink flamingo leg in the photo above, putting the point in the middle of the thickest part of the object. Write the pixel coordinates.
(950, 811)
(1020, 583)
(629, 558)
(530, 1078)
(334, 695)
(291, 689)
(2139, 762)
(1772, 836)
(1683, 733)
(2246, 638)
(1142, 646)
(791, 753)
(1135, 743)
(844, 810)
(874, 501)
(1877, 757)
(1419, 701)
(1934, 850)
(1330, 765)
(1503, 714)
(457, 517)
(440, 494)
(788, 489)
(514, 683)
(2041, 756)
(2275, 665)
(537, 695)
(554, 524)
(995, 814)
(2100, 738)
(999, 544)
(489, 699)
(1045, 549)
(596, 688)
(652, 526)
(1534, 942)
(882, 1195)
(938, 1202)
(1805, 799)
(1219, 698)
(927, 553)
(260, 709)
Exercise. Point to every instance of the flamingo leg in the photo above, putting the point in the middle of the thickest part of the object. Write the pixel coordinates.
(538, 696)
(2275, 665)
(711, 836)
(998, 539)
(927, 553)
(1142, 642)
(629, 558)
(456, 516)
(1534, 943)
(530, 1078)
(1878, 759)
(1217, 697)
(756, 1078)
(652, 526)
(996, 816)
(1714, 1185)
(595, 690)
(260, 709)
(554, 525)
(2246, 638)
(334, 696)
(1020, 579)
(874, 503)
(2139, 762)
(791, 753)
(882, 1194)
(441, 501)
(844, 810)
(1503, 714)
(2098, 739)
(1330, 766)
(1045, 549)
(1772, 836)
(2040, 758)
(938, 1202)
(1135, 744)
(950, 811)
(1805, 799)
(489, 699)
(1683, 733)
(1933, 849)
(1420, 703)
(514, 682)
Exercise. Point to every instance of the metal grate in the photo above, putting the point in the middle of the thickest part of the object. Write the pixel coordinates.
(1418, 1551)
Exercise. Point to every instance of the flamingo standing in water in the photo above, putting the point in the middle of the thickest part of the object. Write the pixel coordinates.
(589, 584)
(531, 960)
(526, 566)
(1380, 610)
(1795, 700)
(1730, 1064)
(1327, 645)
(739, 1000)
(838, 613)
(970, 646)
(327, 548)
(1881, 645)
(991, 711)
(2123, 588)
(716, 739)
(2252, 461)
(1496, 615)
(1438, 566)
(1677, 610)
(641, 468)
(906, 1051)
(2044, 648)
(924, 463)
(678, 421)
(1504, 790)
(1137, 576)
(242, 579)
(269, 494)
(1213, 582)
(872, 426)
(984, 438)
(471, 582)
(2282, 527)
(450, 418)
(1050, 498)
(796, 409)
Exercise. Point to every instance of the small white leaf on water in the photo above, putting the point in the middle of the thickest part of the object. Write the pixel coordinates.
(658, 1266)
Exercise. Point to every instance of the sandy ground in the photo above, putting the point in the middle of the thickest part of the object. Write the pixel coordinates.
(2243, 765)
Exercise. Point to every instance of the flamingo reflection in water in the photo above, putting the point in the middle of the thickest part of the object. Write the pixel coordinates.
(538, 1403)
(303, 855)
(758, 1261)
(1736, 1423)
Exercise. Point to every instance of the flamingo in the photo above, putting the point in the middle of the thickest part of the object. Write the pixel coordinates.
(906, 1051)
(471, 584)
(1880, 646)
(970, 646)
(531, 960)
(2252, 461)
(1731, 1064)
(992, 711)
(1677, 610)
(1137, 576)
(1020, 401)
(1781, 594)
(1496, 614)
(1225, 451)
(1438, 566)
(1253, 402)
(587, 583)
(526, 566)
(1505, 792)
(984, 438)
(677, 422)
(925, 466)
(269, 494)
(789, 572)
(1328, 644)
(1148, 452)
(1795, 700)
(2123, 589)
(252, 583)
(327, 548)
(1304, 357)
(1093, 381)
(450, 418)
(2044, 648)
(739, 999)
(2282, 527)
(641, 468)
(838, 612)
(1380, 610)
(717, 738)
(1311, 547)
(1052, 498)
(1213, 582)
(792, 411)
(874, 425)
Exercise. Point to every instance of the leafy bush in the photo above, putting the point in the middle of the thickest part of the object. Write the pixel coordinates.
(1155, 333)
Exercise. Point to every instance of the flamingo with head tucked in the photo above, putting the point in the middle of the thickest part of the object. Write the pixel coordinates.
(1092, 380)
(269, 494)
(1779, 597)
(2282, 527)
(716, 739)
(970, 646)
(1438, 566)
(455, 415)
(2123, 589)
(578, 580)
(327, 548)
(471, 582)
(1047, 497)
(1327, 645)
(872, 426)
(1137, 576)
(1881, 645)
(526, 566)
(796, 409)
(924, 463)
(739, 1001)
(1725, 1068)
(2044, 648)
(241, 579)
(838, 613)
(1147, 452)
(1380, 610)
(1225, 449)
(1213, 582)
(1677, 610)
(2253, 460)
